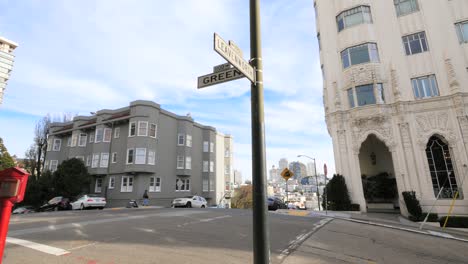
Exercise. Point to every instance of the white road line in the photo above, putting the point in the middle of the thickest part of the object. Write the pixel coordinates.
(204, 220)
(300, 239)
(36, 246)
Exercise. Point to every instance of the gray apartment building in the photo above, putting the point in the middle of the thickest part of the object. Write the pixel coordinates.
(143, 147)
(6, 63)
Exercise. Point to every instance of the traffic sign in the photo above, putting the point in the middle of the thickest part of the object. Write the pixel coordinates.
(222, 67)
(236, 48)
(232, 56)
(219, 77)
(286, 174)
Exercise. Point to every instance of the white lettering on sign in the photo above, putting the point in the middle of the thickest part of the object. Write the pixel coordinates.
(219, 77)
(233, 57)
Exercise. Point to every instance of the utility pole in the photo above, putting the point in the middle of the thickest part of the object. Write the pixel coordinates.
(261, 240)
(316, 182)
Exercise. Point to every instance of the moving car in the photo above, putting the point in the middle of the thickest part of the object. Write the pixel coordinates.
(190, 201)
(24, 210)
(275, 203)
(89, 201)
(58, 203)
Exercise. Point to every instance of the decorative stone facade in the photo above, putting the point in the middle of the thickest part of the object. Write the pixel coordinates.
(403, 122)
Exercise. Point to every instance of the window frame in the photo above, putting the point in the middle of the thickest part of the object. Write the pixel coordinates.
(420, 37)
(180, 162)
(151, 153)
(432, 80)
(107, 135)
(95, 160)
(151, 130)
(188, 140)
(188, 162)
(141, 127)
(129, 184)
(414, 4)
(114, 157)
(211, 166)
(117, 132)
(180, 139)
(130, 126)
(374, 57)
(80, 137)
(140, 159)
(459, 29)
(104, 163)
(186, 181)
(97, 185)
(53, 163)
(88, 160)
(212, 146)
(132, 156)
(99, 134)
(206, 146)
(155, 184)
(57, 146)
(111, 184)
(366, 17)
(206, 165)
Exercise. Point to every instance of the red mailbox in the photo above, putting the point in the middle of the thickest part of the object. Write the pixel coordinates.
(12, 188)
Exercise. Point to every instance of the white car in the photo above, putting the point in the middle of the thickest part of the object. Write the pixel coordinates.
(190, 201)
(89, 201)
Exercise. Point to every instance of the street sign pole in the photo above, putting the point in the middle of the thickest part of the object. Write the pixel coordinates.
(261, 239)
(326, 196)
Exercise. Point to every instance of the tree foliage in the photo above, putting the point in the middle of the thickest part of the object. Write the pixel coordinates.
(242, 198)
(337, 194)
(6, 161)
(41, 132)
(30, 162)
(69, 180)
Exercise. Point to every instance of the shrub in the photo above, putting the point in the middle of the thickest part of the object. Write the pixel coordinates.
(337, 194)
(413, 206)
(455, 221)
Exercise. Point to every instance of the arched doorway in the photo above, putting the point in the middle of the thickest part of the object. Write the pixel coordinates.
(441, 167)
(378, 176)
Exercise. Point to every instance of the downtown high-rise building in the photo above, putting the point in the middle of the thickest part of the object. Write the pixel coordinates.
(6, 63)
(395, 92)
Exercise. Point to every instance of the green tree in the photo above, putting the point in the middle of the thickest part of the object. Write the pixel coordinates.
(71, 178)
(337, 194)
(6, 161)
(39, 190)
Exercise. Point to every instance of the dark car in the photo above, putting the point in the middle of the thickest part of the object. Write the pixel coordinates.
(24, 210)
(56, 204)
(275, 203)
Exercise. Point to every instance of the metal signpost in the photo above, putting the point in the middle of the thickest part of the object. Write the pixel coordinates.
(286, 174)
(326, 196)
(252, 70)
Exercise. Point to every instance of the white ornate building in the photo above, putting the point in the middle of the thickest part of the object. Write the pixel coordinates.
(396, 95)
(6, 62)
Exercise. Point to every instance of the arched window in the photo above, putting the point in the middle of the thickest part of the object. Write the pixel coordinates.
(441, 168)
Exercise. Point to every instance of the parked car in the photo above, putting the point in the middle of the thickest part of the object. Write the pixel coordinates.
(190, 201)
(24, 210)
(58, 203)
(275, 203)
(89, 201)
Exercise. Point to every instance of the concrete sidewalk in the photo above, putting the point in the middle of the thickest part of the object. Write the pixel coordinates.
(386, 220)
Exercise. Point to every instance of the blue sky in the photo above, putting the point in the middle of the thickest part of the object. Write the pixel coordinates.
(82, 56)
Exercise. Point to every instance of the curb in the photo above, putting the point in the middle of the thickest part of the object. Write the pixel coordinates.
(422, 232)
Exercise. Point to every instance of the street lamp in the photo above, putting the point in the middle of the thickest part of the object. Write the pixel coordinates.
(316, 178)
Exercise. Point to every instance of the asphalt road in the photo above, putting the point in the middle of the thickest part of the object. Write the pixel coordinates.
(149, 236)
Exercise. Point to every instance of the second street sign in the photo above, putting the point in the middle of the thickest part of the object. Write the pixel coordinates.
(219, 77)
(233, 57)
